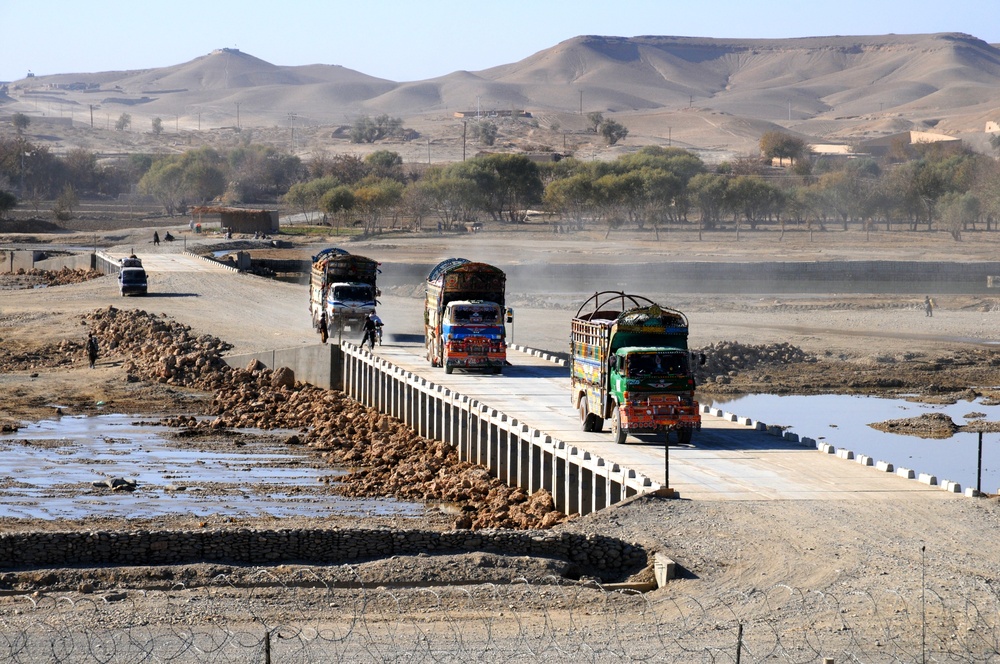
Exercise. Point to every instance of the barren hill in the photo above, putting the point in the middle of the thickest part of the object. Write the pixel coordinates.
(692, 91)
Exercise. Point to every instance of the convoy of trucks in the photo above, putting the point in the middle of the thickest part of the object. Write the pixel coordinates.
(629, 357)
(342, 291)
(630, 362)
(464, 316)
(132, 278)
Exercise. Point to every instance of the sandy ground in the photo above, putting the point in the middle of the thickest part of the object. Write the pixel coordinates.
(724, 549)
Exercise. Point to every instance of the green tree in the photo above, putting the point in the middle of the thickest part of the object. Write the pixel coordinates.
(779, 145)
(571, 197)
(375, 201)
(157, 126)
(124, 122)
(385, 164)
(956, 212)
(595, 119)
(338, 202)
(708, 191)
(20, 122)
(453, 193)
(752, 199)
(508, 184)
(164, 181)
(66, 203)
(307, 196)
(484, 131)
(367, 130)
(613, 131)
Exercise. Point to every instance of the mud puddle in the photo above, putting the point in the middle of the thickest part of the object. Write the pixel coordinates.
(50, 468)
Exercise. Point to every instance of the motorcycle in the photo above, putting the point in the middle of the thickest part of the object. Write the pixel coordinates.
(372, 337)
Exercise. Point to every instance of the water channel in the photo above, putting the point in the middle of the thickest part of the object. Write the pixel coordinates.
(842, 421)
(51, 466)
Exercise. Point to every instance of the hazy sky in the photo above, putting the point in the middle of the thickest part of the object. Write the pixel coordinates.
(408, 40)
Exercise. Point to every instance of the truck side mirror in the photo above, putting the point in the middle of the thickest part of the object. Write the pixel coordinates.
(509, 313)
(701, 359)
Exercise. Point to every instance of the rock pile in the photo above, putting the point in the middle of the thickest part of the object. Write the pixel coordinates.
(392, 459)
(36, 277)
(725, 359)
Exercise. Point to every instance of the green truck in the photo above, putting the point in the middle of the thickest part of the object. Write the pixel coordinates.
(630, 363)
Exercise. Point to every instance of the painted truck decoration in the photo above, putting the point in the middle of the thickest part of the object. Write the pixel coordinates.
(132, 278)
(463, 316)
(344, 287)
(631, 364)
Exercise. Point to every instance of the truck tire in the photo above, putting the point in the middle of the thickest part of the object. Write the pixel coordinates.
(617, 433)
(684, 436)
(448, 369)
(586, 421)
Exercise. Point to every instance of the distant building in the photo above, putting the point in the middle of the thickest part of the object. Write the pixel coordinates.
(883, 144)
(239, 220)
(466, 115)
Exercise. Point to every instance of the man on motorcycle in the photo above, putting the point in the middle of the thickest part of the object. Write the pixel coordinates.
(372, 331)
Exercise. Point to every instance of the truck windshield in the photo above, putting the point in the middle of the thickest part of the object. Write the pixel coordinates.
(352, 293)
(657, 364)
(475, 315)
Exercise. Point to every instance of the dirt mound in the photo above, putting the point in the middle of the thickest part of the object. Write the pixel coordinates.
(391, 459)
(928, 425)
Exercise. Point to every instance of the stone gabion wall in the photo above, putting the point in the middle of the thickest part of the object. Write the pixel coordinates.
(593, 555)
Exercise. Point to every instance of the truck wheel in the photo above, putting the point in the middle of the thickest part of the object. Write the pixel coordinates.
(448, 369)
(684, 436)
(617, 433)
(586, 421)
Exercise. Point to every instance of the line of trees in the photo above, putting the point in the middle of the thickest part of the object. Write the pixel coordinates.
(942, 186)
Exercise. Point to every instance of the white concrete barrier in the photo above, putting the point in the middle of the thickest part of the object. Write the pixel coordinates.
(845, 454)
(927, 479)
(791, 437)
(905, 473)
(884, 466)
(864, 460)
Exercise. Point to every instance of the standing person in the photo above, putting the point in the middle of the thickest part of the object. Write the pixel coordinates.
(92, 350)
(323, 333)
(156, 239)
(378, 327)
(928, 306)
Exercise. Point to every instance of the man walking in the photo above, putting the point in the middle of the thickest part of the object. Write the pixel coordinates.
(92, 350)
(928, 306)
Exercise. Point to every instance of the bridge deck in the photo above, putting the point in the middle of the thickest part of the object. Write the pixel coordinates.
(725, 461)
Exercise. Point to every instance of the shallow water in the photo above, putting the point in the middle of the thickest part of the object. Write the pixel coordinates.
(842, 421)
(49, 468)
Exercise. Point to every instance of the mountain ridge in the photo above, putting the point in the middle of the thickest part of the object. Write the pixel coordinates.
(831, 88)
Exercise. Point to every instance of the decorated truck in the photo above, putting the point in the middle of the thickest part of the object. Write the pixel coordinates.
(464, 316)
(630, 363)
(132, 278)
(342, 291)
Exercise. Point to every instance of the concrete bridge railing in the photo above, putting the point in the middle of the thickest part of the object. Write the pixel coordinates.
(515, 453)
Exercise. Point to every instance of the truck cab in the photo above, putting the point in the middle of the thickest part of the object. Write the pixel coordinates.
(349, 304)
(473, 336)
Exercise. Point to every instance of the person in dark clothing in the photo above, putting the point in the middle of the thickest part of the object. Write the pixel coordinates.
(156, 239)
(370, 330)
(92, 350)
(323, 333)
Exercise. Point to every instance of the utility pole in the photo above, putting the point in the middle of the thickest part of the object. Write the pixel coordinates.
(465, 126)
(91, 116)
(238, 115)
(581, 102)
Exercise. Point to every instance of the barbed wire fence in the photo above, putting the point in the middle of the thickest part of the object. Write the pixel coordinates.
(328, 615)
